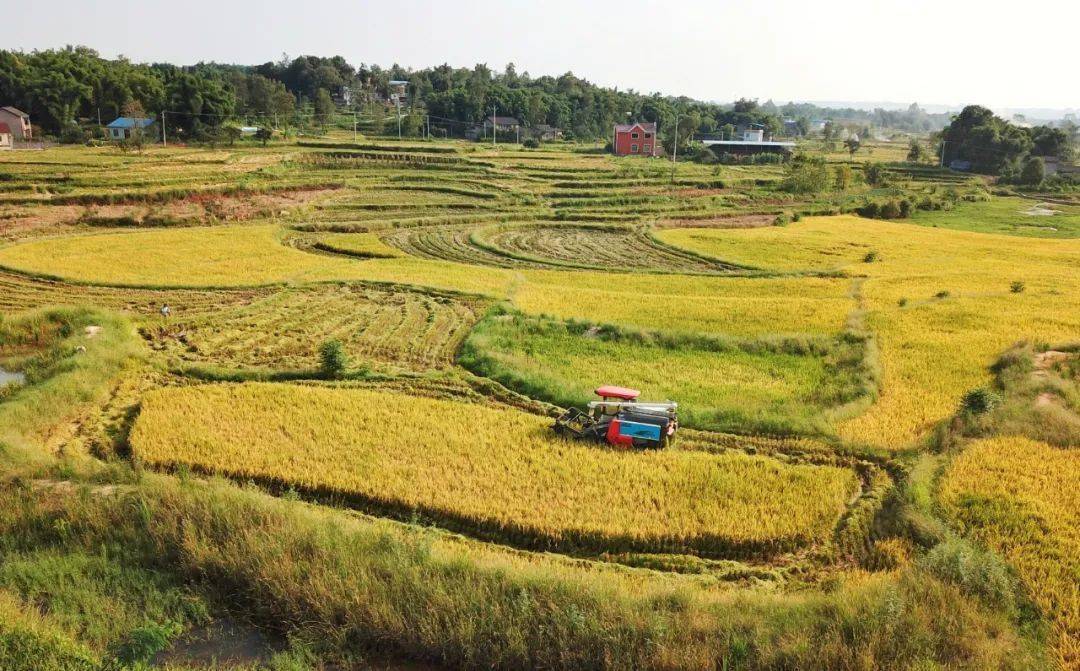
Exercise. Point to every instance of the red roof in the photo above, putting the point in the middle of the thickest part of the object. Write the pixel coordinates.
(649, 127)
(4, 128)
(611, 391)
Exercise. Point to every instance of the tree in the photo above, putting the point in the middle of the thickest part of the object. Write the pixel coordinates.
(843, 177)
(232, 134)
(806, 175)
(324, 107)
(915, 152)
(1034, 171)
(829, 131)
(852, 144)
(990, 143)
(802, 126)
(332, 358)
(1047, 141)
(264, 135)
(876, 174)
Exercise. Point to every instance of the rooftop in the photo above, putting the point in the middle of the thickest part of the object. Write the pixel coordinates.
(16, 112)
(743, 143)
(130, 122)
(647, 126)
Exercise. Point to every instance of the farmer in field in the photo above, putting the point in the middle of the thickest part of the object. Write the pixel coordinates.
(165, 310)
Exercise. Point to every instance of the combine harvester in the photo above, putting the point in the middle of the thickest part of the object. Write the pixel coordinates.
(621, 420)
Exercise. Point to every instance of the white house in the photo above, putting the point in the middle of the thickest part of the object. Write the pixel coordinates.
(5, 136)
(124, 127)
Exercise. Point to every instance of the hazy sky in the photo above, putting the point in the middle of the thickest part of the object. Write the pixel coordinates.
(945, 51)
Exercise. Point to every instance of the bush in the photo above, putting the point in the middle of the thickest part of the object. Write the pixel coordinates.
(902, 302)
(1034, 171)
(976, 572)
(890, 210)
(333, 359)
(980, 401)
(906, 208)
(531, 143)
(871, 256)
(876, 174)
(944, 293)
(1017, 287)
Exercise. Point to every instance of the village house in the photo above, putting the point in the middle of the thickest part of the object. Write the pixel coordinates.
(751, 141)
(545, 132)
(635, 139)
(5, 136)
(503, 124)
(18, 122)
(122, 128)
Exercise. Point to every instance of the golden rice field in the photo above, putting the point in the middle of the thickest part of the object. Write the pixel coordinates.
(254, 255)
(491, 469)
(932, 349)
(401, 265)
(1022, 498)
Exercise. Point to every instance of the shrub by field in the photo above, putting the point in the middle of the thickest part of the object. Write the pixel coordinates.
(493, 471)
(773, 386)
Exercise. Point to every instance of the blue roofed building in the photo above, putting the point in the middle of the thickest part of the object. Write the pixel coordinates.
(124, 127)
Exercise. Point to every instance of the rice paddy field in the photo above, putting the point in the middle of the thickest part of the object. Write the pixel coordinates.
(341, 434)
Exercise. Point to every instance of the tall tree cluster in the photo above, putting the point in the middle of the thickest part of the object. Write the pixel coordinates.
(996, 147)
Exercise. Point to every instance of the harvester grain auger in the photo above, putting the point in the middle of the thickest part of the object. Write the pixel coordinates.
(621, 420)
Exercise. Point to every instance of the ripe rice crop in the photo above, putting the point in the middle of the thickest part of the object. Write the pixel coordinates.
(932, 349)
(737, 306)
(1020, 497)
(365, 245)
(493, 471)
(226, 256)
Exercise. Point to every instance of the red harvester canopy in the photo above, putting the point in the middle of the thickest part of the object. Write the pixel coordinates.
(611, 391)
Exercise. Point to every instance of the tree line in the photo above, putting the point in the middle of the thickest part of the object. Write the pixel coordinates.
(64, 88)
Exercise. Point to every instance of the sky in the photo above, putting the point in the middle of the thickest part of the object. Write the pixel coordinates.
(949, 52)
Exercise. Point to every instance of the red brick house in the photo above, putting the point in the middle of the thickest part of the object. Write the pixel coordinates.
(635, 139)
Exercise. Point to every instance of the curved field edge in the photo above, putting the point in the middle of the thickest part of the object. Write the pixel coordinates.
(494, 473)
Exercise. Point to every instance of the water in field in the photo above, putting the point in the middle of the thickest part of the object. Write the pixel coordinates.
(11, 377)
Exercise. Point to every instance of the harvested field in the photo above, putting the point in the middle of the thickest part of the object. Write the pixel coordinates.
(614, 247)
(284, 329)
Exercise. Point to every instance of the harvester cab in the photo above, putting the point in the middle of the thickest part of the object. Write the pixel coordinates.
(619, 419)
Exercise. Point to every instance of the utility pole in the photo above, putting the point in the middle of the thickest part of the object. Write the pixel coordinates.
(942, 154)
(493, 125)
(517, 134)
(674, 147)
(397, 106)
(427, 126)
(164, 139)
(354, 125)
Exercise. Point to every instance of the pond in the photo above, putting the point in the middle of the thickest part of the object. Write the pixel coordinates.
(11, 377)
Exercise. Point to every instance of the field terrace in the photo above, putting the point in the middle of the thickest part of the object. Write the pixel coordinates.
(819, 366)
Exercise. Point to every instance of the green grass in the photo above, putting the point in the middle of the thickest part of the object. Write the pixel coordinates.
(1005, 214)
(779, 386)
